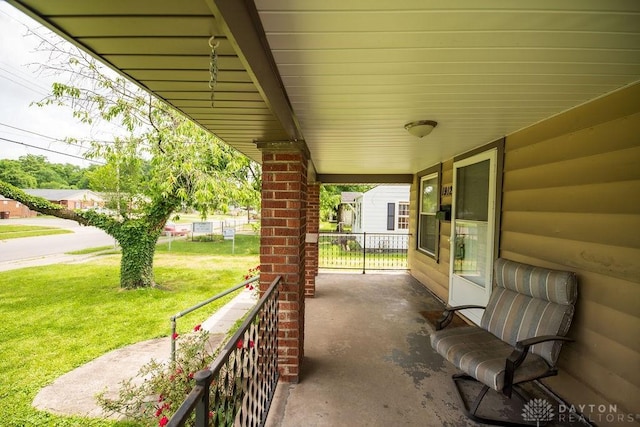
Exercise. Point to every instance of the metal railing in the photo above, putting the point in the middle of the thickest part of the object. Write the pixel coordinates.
(363, 251)
(174, 318)
(238, 387)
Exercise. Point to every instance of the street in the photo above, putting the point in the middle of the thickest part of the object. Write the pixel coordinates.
(35, 247)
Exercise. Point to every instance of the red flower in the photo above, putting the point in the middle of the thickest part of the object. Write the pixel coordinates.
(191, 375)
(251, 343)
(197, 328)
(240, 344)
(210, 414)
(159, 411)
(160, 398)
(163, 421)
(178, 371)
(175, 336)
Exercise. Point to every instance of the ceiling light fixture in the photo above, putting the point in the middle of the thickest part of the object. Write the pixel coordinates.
(421, 127)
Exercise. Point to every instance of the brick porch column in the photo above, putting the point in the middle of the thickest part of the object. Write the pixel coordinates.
(282, 245)
(311, 247)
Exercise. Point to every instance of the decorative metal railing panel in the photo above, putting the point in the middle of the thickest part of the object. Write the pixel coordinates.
(238, 388)
(363, 251)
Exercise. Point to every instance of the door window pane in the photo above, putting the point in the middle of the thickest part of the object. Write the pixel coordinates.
(472, 192)
(470, 251)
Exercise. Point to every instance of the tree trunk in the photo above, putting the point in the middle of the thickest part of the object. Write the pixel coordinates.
(136, 264)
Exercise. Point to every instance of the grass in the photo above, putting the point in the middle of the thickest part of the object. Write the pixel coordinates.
(17, 231)
(93, 250)
(245, 244)
(58, 317)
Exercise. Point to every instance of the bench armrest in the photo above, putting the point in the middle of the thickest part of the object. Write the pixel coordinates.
(447, 315)
(518, 355)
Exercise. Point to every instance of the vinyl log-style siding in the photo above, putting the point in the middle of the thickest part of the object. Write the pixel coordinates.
(571, 201)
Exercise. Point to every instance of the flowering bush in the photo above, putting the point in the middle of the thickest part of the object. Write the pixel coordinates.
(160, 388)
(253, 272)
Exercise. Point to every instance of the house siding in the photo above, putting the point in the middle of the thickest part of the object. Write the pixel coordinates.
(571, 200)
(374, 208)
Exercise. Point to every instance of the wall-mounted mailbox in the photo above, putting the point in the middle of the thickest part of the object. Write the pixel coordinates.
(444, 214)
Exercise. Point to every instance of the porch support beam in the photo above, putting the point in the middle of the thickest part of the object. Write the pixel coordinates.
(283, 246)
(241, 24)
(365, 178)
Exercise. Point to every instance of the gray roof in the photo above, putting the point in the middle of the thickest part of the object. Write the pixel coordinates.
(63, 194)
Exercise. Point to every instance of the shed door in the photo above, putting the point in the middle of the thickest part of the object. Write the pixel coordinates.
(472, 231)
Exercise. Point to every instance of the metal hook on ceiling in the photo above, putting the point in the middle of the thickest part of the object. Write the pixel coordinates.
(211, 44)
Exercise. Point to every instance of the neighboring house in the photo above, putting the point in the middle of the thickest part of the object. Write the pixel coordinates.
(71, 199)
(10, 208)
(383, 210)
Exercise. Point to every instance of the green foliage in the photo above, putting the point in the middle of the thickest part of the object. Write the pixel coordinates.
(161, 164)
(58, 317)
(32, 171)
(330, 198)
(159, 389)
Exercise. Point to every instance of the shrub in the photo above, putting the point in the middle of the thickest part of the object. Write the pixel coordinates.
(158, 390)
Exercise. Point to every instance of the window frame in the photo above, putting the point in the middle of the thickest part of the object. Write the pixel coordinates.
(403, 207)
(434, 172)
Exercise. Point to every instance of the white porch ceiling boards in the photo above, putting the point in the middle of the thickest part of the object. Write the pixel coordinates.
(355, 71)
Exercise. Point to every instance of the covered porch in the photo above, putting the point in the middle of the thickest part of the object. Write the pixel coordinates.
(368, 360)
(324, 92)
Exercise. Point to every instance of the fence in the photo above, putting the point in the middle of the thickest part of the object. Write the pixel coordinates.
(363, 251)
(238, 387)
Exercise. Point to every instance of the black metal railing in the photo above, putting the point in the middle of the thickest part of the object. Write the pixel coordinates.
(363, 251)
(175, 317)
(238, 387)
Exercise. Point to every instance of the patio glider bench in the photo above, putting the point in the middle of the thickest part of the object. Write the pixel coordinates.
(520, 335)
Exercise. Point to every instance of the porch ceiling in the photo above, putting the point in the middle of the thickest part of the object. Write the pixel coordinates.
(346, 75)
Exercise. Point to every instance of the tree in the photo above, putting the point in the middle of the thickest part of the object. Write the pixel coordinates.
(162, 162)
(330, 198)
(12, 172)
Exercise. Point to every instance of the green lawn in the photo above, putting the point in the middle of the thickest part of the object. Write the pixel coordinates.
(17, 231)
(245, 244)
(56, 318)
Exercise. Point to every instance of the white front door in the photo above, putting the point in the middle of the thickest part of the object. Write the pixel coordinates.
(472, 231)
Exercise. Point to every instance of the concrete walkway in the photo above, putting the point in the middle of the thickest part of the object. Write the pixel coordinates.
(74, 393)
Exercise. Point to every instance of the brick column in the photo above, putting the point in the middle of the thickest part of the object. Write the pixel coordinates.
(311, 247)
(282, 246)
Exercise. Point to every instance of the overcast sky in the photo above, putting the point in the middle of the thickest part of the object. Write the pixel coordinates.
(20, 85)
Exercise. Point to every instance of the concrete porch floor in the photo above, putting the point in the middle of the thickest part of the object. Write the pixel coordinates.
(368, 360)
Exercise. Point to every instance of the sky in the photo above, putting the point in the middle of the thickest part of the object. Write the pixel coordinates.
(27, 129)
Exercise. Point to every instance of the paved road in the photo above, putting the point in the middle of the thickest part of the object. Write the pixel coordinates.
(42, 246)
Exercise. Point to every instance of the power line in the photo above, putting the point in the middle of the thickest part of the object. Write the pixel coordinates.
(51, 137)
(50, 151)
(42, 135)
